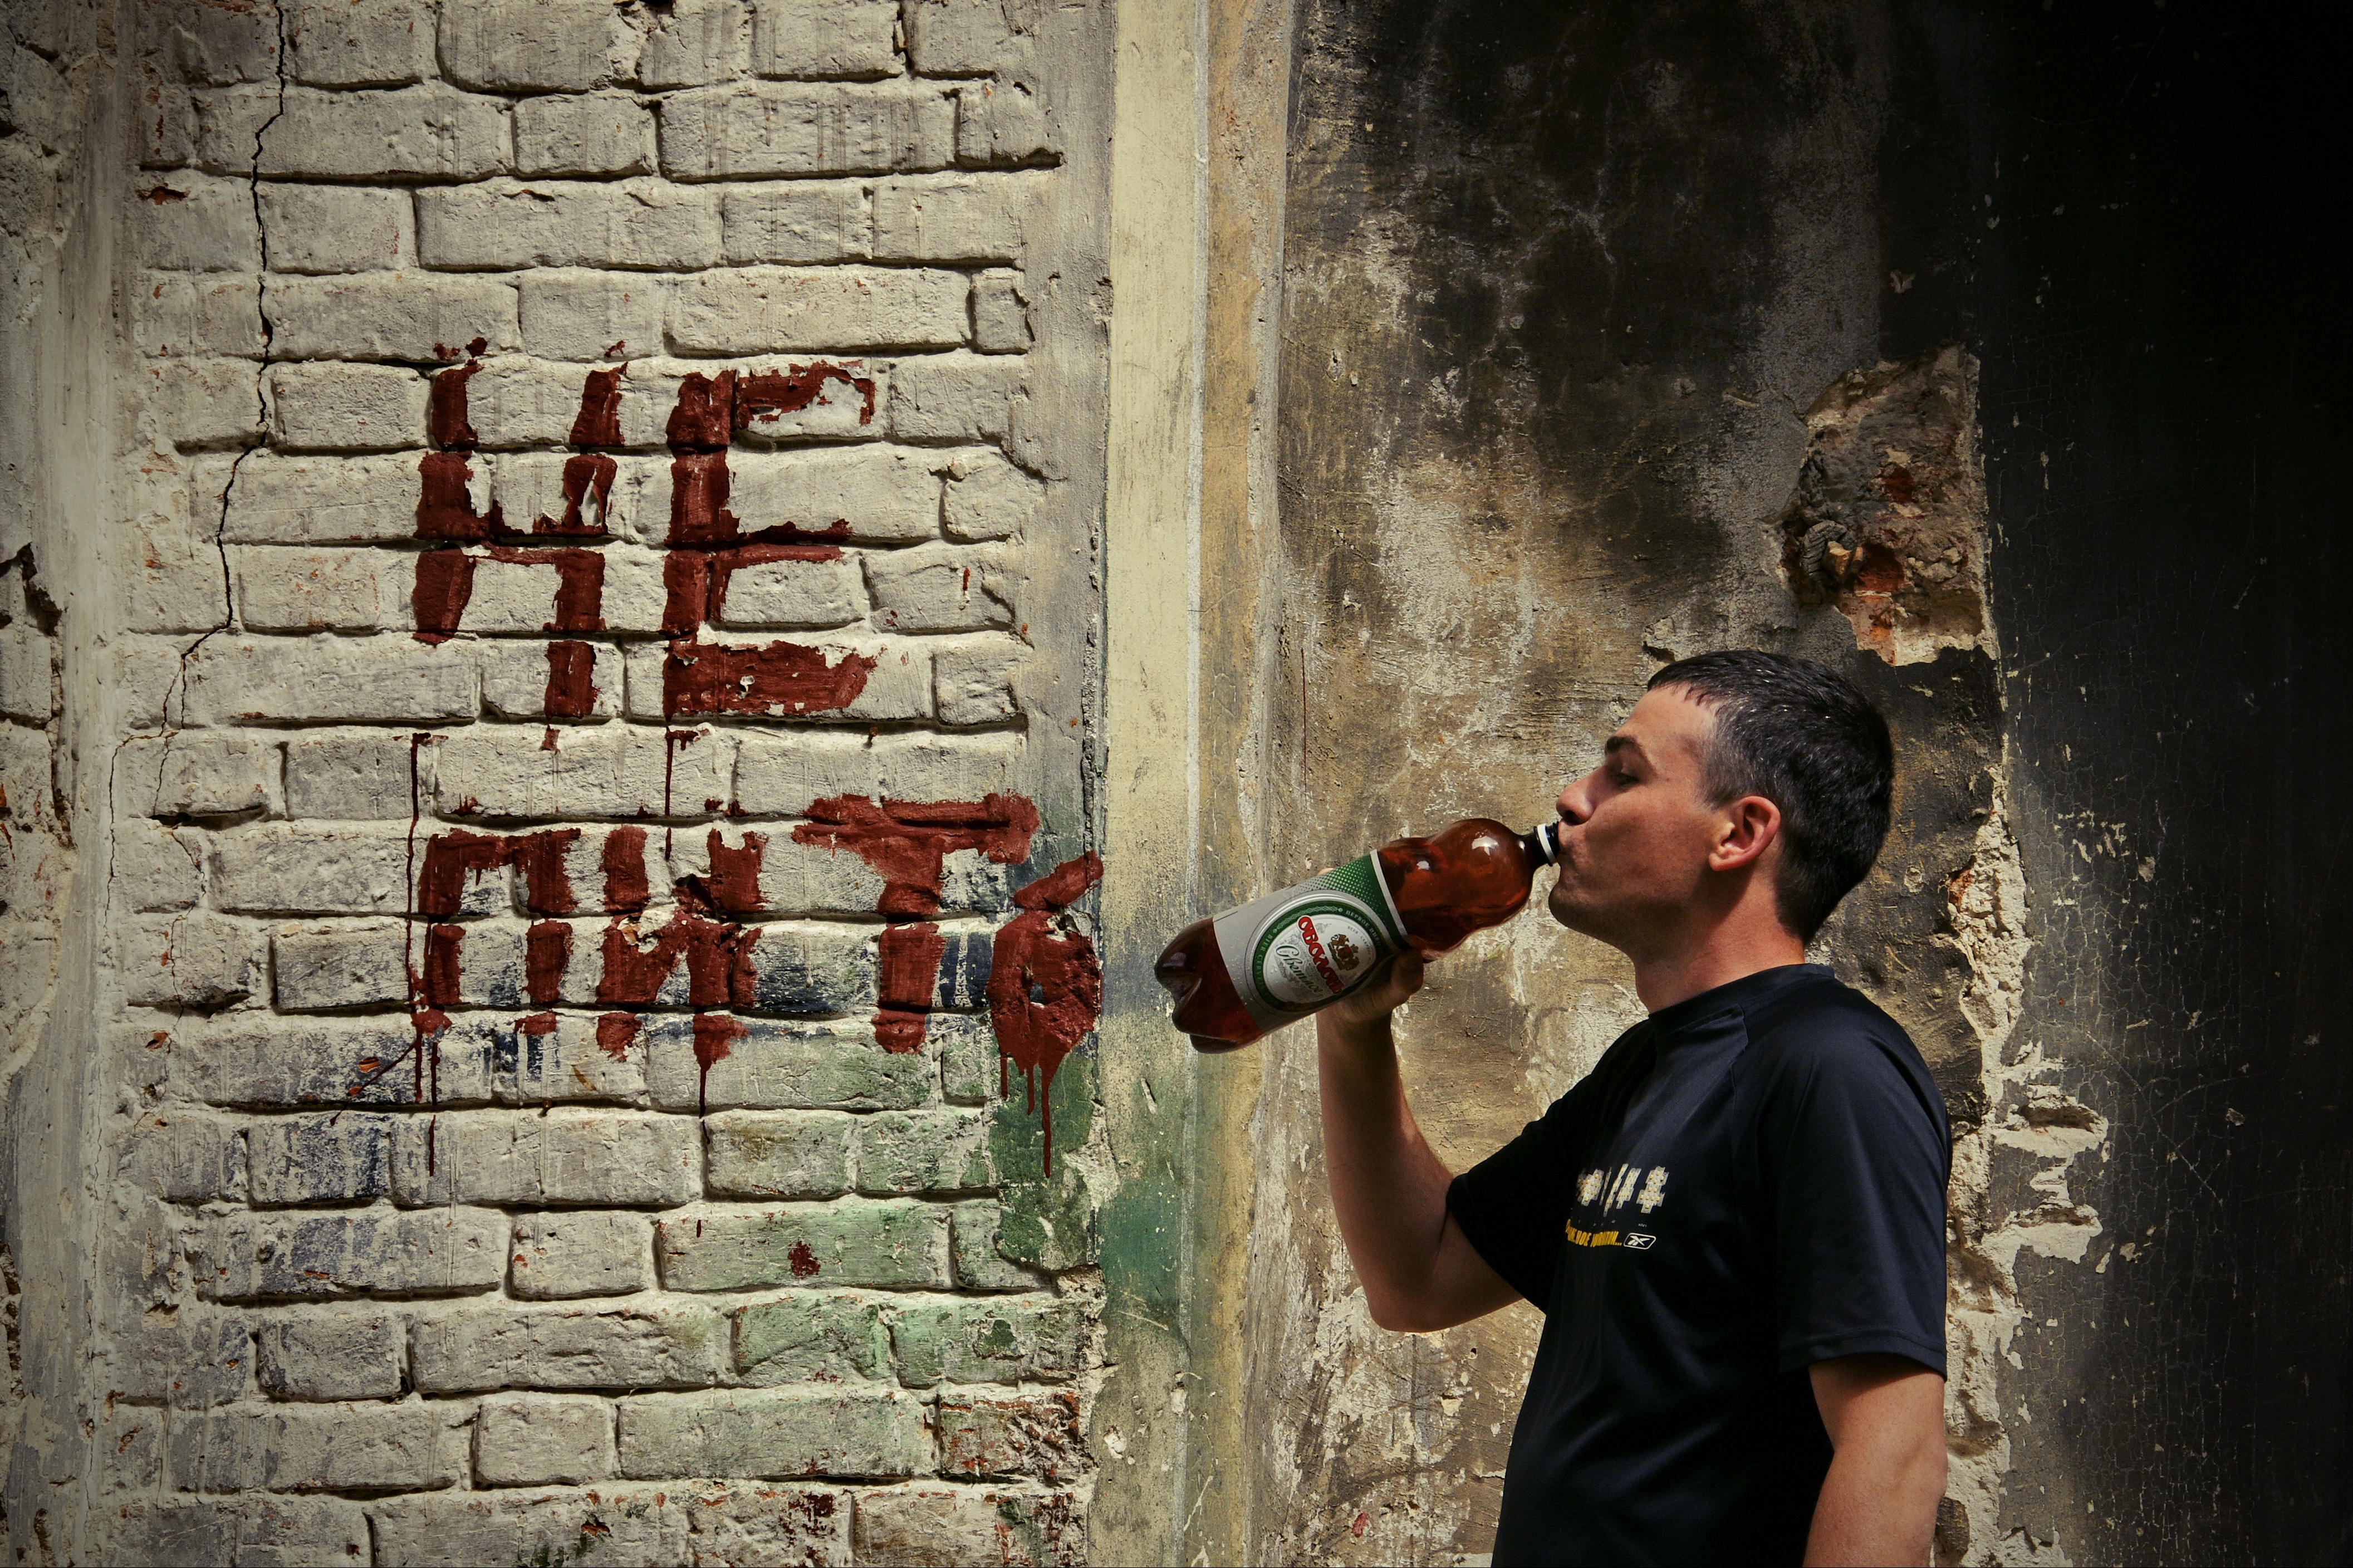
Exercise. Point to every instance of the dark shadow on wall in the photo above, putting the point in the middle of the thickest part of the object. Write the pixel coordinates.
(2126, 211)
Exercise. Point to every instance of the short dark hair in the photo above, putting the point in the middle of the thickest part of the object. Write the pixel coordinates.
(1803, 736)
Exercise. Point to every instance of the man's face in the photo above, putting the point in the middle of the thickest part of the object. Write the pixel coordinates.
(1634, 854)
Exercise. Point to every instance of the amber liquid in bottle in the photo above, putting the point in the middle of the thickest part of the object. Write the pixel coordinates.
(1474, 875)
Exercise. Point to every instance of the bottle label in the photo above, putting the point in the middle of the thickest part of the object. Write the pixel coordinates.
(1295, 950)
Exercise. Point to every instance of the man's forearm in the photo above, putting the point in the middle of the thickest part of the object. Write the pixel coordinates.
(1387, 1187)
(1885, 1420)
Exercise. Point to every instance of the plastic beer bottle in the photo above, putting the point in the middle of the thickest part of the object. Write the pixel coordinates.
(1248, 972)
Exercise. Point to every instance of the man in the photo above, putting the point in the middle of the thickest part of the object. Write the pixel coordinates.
(1734, 1224)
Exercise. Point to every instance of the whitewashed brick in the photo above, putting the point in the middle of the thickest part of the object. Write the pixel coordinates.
(897, 685)
(956, 217)
(346, 407)
(206, 403)
(516, 676)
(694, 44)
(887, 1246)
(988, 498)
(536, 1439)
(326, 1448)
(363, 964)
(282, 500)
(709, 1522)
(558, 1255)
(272, 681)
(802, 967)
(667, 1345)
(188, 960)
(408, 316)
(256, 1060)
(425, 132)
(1032, 1435)
(259, 1530)
(371, 1252)
(163, 128)
(545, 1058)
(963, 37)
(163, 131)
(723, 133)
(1006, 122)
(1000, 314)
(888, 496)
(980, 1264)
(358, 775)
(336, 228)
(775, 1433)
(577, 314)
(924, 1152)
(338, 1158)
(184, 1157)
(955, 396)
(938, 1527)
(564, 46)
(781, 775)
(207, 313)
(794, 878)
(854, 38)
(850, 395)
(612, 772)
(189, 1360)
(779, 1153)
(308, 868)
(783, 1063)
(794, 593)
(359, 43)
(188, 40)
(338, 1353)
(197, 774)
(602, 133)
(976, 682)
(796, 221)
(764, 309)
(517, 402)
(282, 590)
(561, 1157)
(628, 223)
(938, 588)
(229, 123)
(155, 867)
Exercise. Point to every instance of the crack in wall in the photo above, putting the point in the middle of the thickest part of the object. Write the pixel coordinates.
(261, 401)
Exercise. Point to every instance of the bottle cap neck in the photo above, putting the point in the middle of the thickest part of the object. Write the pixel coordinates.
(1543, 843)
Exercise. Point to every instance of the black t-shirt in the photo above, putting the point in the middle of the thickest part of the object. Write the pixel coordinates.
(1748, 1182)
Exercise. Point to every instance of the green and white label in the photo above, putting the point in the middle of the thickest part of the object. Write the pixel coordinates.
(1290, 954)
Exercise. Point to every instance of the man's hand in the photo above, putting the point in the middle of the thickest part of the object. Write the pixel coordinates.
(1420, 1272)
(1886, 1417)
(1383, 994)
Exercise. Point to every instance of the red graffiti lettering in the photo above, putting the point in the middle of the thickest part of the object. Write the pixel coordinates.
(1045, 986)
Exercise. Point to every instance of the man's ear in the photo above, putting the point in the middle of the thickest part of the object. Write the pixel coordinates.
(1750, 825)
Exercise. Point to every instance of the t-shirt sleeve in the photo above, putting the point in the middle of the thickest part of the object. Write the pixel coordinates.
(1513, 1204)
(1855, 1159)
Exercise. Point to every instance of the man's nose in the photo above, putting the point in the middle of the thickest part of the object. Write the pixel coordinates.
(1575, 801)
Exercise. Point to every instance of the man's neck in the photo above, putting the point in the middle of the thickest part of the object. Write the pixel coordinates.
(1725, 954)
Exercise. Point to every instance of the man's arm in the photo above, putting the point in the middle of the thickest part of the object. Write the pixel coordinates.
(1886, 1417)
(1420, 1272)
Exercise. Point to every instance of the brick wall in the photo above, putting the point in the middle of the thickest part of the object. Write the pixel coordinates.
(600, 856)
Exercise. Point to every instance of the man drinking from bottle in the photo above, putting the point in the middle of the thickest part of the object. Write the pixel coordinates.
(1734, 1224)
